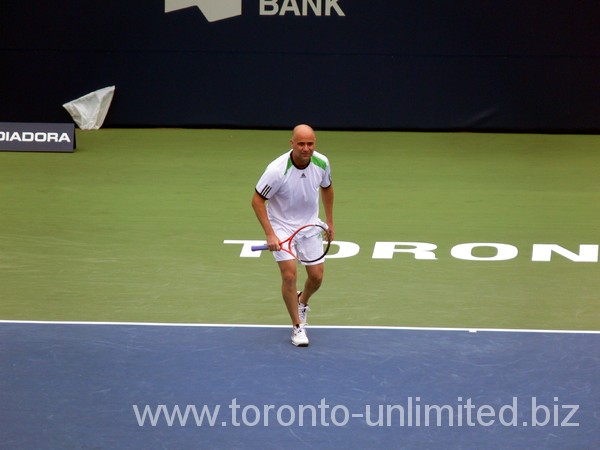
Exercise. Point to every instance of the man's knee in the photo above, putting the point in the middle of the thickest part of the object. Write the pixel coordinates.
(288, 273)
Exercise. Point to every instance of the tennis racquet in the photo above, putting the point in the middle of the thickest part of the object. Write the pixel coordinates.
(301, 244)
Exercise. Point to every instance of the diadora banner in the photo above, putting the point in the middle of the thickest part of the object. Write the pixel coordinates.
(37, 137)
(336, 64)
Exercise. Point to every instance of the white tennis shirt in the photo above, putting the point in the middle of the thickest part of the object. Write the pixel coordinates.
(293, 193)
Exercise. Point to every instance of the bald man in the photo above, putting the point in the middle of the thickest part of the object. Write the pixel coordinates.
(285, 198)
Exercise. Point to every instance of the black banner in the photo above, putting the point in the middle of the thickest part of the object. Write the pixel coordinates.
(376, 64)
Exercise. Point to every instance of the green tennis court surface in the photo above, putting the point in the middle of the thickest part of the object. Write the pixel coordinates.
(131, 228)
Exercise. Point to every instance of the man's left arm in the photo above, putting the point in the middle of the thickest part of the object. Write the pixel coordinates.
(327, 198)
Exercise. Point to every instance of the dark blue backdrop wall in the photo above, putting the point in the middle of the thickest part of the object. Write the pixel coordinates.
(361, 64)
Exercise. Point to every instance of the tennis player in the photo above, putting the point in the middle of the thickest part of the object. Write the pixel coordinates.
(287, 197)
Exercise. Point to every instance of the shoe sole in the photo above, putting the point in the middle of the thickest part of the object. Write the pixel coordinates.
(300, 345)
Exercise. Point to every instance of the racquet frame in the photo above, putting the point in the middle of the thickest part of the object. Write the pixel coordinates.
(286, 244)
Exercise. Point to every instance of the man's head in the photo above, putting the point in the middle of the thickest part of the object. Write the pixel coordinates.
(303, 144)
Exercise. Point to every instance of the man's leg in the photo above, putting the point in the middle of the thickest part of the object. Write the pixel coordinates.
(290, 297)
(313, 282)
(288, 288)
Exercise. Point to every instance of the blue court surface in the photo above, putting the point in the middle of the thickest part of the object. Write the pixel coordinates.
(134, 386)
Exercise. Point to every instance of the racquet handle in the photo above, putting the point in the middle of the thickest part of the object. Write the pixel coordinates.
(259, 247)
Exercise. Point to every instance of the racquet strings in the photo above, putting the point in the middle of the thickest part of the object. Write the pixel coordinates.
(308, 235)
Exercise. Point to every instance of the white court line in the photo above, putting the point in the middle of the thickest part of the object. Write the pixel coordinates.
(342, 327)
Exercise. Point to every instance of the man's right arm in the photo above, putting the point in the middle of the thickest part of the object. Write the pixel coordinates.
(260, 209)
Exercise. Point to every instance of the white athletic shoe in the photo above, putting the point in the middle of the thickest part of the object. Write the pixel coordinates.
(302, 310)
(299, 337)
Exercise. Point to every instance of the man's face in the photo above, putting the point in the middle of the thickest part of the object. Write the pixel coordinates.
(303, 146)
